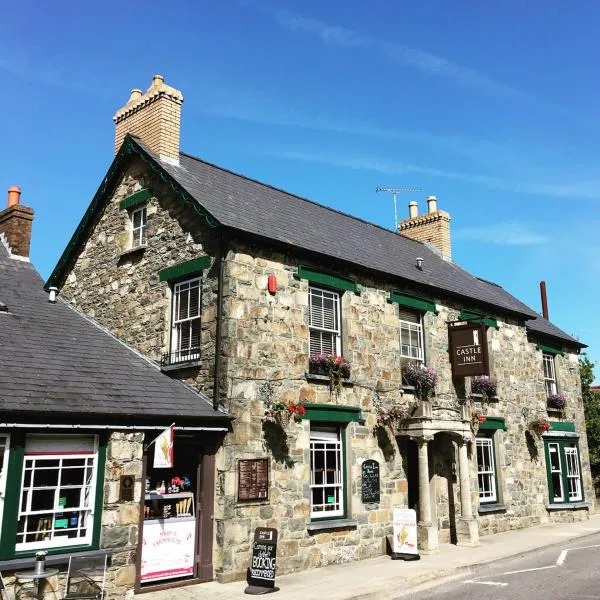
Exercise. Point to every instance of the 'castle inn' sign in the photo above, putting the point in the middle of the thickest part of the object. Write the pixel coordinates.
(468, 349)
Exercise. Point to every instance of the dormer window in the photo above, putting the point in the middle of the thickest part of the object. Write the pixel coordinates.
(139, 221)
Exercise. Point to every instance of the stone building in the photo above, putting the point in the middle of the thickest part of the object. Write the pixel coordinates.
(78, 410)
(248, 293)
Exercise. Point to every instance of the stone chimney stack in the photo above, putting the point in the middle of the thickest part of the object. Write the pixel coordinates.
(432, 227)
(154, 117)
(15, 224)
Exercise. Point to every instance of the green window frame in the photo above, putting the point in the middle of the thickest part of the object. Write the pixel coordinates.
(477, 317)
(135, 199)
(563, 469)
(185, 269)
(13, 495)
(329, 280)
(420, 304)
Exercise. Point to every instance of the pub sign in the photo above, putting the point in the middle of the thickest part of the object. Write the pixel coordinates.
(468, 349)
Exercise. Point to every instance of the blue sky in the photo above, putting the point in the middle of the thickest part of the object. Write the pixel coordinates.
(492, 106)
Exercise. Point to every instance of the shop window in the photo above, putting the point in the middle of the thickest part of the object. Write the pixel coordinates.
(411, 335)
(564, 473)
(139, 221)
(326, 472)
(549, 374)
(185, 326)
(486, 469)
(324, 321)
(58, 492)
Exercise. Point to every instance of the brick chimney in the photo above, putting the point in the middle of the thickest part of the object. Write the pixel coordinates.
(154, 117)
(433, 227)
(15, 224)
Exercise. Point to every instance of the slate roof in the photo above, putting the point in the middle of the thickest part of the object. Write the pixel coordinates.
(56, 361)
(545, 328)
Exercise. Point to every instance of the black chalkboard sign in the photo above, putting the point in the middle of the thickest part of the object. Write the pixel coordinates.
(370, 488)
(264, 554)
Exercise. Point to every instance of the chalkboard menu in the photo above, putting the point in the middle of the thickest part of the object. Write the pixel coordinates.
(264, 554)
(370, 488)
(253, 479)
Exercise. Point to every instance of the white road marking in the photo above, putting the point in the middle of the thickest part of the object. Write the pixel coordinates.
(499, 583)
(561, 558)
(527, 570)
(585, 547)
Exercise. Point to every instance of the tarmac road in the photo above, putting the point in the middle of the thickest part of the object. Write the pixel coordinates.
(568, 571)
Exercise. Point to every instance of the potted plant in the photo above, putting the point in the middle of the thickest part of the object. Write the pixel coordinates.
(557, 401)
(421, 378)
(40, 561)
(484, 385)
(389, 418)
(539, 426)
(337, 368)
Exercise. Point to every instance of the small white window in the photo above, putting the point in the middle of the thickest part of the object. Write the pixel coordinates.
(324, 325)
(411, 335)
(573, 476)
(185, 337)
(549, 374)
(58, 491)
(326, 473)
(486, 470)
(139, 221)
(556, 473)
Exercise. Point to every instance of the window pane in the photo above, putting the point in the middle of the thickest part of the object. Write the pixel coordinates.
(326, 473)
(555, 472)
(323, 322)
(486, 473)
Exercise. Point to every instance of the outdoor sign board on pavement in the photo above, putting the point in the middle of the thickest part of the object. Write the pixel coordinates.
(261, 574)
(404, 545)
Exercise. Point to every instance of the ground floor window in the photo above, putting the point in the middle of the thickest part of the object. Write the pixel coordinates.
(58, 491)
(326, 472)
(486, 469)
(564, 473)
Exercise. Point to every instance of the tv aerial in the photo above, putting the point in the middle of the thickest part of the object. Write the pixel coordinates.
(395, 192)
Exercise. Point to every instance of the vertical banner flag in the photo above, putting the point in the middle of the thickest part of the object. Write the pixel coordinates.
(163, 449)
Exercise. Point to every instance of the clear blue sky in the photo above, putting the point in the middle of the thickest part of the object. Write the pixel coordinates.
(491, 105)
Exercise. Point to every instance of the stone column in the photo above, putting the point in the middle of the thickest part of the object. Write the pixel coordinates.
(427, 531)
(467, 527)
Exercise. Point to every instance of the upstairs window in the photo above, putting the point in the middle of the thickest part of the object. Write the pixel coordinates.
(324, 321)
(411, 335)
(549, 374)
(139, 220)
(185, 332)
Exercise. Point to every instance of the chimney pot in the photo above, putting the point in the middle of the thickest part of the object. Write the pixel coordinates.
(14, 195)
(157, 80)
(52, 291)
(431, 204)
(413, 209)
(135, 94)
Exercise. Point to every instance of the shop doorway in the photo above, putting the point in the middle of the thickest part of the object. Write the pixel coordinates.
(177, 527)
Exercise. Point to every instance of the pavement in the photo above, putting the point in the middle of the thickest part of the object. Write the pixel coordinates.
(380, 578)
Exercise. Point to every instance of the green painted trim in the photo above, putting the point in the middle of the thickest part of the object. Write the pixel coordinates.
(129, 148)
(100, 479)
(471, 315)
(549, 348)
(327, 279)
(419, 304)
(185, 268)
(332, 413)
(14, 473)
(562, 442)
(493, 423)
(562, 426)
(140, 197)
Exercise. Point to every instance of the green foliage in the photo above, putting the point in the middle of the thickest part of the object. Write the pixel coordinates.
(591, 405)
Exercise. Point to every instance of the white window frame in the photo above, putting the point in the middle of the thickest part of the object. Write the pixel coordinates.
(316, 325)
(177, 353)
(5, 442)
(549, 374)
(486, 473)
(412, 329)
(573, 473)
(139, 232)
(325, 441)
(86, 508)
(554, 448)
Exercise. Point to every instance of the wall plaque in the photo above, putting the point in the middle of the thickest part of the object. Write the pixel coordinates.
(468, 349)
(126, 488)
(253, 479)
(370, 487)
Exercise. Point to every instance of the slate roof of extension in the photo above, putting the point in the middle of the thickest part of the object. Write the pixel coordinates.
(57, 362)
(246, 205)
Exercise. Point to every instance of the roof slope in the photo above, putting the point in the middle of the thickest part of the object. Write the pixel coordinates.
(56, 361)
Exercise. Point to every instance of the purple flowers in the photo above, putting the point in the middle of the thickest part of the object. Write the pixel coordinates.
(325, 364)
(421, 378)
(557, 401)
(484, 385)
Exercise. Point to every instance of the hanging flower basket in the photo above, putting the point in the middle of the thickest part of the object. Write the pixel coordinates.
(279, 412)
(539, 426)
(421, 378)
(484, 385)
(391, 418)
(476, 420)
(337, 368)
(557, 401)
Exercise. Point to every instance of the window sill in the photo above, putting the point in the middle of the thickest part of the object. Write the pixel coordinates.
(567, 506)
(331, 524)
(181, 365)
(132, 251)
(325, 379)
(479, 398)
(492, 507)
(52, 560)
(410, 389)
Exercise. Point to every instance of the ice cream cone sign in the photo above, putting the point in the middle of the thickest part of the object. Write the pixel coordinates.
(163, 449)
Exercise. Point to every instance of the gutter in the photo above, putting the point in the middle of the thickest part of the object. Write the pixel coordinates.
(223, 243)
(115, 427)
